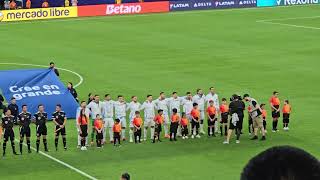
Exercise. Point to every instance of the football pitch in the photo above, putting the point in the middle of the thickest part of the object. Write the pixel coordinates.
(253, 51)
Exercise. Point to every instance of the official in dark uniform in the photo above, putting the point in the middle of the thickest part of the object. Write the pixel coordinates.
(14, 109)
(52, 66)
(60, 119)
(40, 119)
(72, 91)
(24, 120)
(7, 125)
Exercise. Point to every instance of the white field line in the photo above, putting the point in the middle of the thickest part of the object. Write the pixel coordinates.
(37, 65)
(62, 163)
(150, 14)
(270, 21)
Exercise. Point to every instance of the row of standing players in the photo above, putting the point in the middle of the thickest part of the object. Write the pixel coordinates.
(193, 112)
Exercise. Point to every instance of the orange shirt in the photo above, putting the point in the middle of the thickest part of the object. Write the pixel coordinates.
(13, 5)
(211, 110)
(45, 4)
(264, 113)
(28, 4)
(286, 109)
(184, 121)
(274, 101)
(117, 128)
(98, 124)
(158, 119)
(83, 120)
(195, 113)
(224, 108)
(175, 118)
(137, 122)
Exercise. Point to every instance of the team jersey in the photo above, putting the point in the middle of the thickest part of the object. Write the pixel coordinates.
(83, 120)
(96, 108)
(120, 109)
(214, 98)
(108, 107)
(116, 128)
(158, 119)
(59, 117)
(275, 101)
(40, 118)
(24, 119)
(7, 122)
(175, 118)
(286, 109)
(200, 100)
(224, 108)
(133, 107)
(211, 110)
(162, 104)
(195, 113)
(264, 114)
(98, 124)
(187, 106)
(184, 122)
(148, 108)
(137, 122)
(175, 103)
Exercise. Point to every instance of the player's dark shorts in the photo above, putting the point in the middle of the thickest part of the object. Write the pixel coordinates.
(84, 130)
(99, 135)
(25, 131)
(286, 117)
(116, 135)
(276, 114)
(8, 134)
(211, 123)
(158, 128)
(61, 131)
(174, 127)
(41, 130)
(184, 130)
(224, 117)
(195, 124)
(232, 126)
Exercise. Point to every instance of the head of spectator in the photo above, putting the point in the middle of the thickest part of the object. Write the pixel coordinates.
(282, 163)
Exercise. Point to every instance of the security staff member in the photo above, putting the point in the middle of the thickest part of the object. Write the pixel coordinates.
(24, 120)
(72, 91)
(7, 124)
(14, 109)
(40, 119)
(60, 119)
(52, 65)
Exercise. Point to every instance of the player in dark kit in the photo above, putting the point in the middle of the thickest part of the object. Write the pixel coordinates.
(24, 120)
(14, 109)
(60, 119)
(7, 124)
(40, 119)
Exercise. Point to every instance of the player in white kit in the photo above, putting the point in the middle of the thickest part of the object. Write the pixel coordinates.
(175, 103)
(200, 99)
(212, 95)
(120, 108)
(162, 103)
(96, 108)
(108, 113)
(133, 106)
(187, 105)
(149, 113)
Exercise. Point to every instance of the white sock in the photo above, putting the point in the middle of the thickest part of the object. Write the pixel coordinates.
(130, 134)
(104, 134)
(123, 133)
(179, 131)
(152, 132)
(216, 129)
(111, 134)
(79, 140)
(166, 129)
(201, 127)
(145, 131)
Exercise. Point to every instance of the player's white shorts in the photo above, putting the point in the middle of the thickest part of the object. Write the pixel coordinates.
(166, 118)
(108, 122)
(131, 122)
(123, 121)
(149, 122)
(202, 115)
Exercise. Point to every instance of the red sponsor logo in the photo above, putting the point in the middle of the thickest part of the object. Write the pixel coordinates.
(129, 8)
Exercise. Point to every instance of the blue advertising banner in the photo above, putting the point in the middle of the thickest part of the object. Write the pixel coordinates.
(222, 4)
(37, 86)
(191, 5)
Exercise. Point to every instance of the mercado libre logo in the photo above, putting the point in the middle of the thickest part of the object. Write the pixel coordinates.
(1, 16)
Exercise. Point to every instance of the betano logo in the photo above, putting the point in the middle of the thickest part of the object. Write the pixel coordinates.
(40, 13)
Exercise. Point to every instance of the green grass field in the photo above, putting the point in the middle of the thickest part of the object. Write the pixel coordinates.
(139, 55)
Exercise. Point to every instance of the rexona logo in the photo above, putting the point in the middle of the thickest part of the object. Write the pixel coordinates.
(123, 9)
(296, 2)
